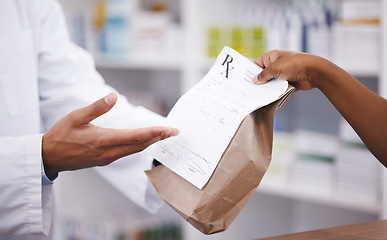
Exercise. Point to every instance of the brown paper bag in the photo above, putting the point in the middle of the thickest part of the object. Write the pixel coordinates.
(235, 179)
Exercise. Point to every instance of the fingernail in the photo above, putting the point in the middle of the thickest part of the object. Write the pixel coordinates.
(109, 98)
(170, 132)
(174, 132)
(255, 79)
(166, 133)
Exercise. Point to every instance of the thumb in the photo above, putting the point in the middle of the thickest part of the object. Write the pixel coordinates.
(264, 76)
(96, 109)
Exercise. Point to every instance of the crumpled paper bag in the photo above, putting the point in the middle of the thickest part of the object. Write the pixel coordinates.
(235, 179)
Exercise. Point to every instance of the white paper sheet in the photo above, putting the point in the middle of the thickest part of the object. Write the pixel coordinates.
(209, 114)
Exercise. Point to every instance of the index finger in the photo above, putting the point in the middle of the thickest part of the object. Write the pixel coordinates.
(259, 61)
(139, 135)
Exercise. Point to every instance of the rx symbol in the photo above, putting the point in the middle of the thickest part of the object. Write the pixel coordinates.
(227, 61)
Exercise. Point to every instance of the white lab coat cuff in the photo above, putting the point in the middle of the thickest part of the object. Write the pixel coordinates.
(39, 204)
(33, 183)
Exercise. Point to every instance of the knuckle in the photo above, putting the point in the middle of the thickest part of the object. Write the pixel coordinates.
(261, 77)
(73, 117)
(274, 55)
(142, 145)
(155, 131)
(137, 138)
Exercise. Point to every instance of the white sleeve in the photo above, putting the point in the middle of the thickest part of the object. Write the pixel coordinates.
(68, 80)
(25, 206)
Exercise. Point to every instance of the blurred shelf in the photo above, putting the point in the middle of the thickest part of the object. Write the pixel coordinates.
(360, 71)
(143, 62)
(355, 70)
(308, 194)
(160, 62)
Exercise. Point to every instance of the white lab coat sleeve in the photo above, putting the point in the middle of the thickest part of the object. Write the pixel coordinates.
(25, 205)
(68, 80)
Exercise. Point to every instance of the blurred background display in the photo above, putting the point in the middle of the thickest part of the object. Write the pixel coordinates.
(152, 51)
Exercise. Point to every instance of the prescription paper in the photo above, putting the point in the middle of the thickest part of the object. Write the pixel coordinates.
(209, 114)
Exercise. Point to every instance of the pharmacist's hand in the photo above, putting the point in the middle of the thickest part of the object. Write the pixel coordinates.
(297, 68)
(74, 143)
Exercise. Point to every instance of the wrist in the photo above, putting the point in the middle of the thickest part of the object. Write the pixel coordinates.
(329, 78)
(47, 179)
(319, 70)
(48, 168)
